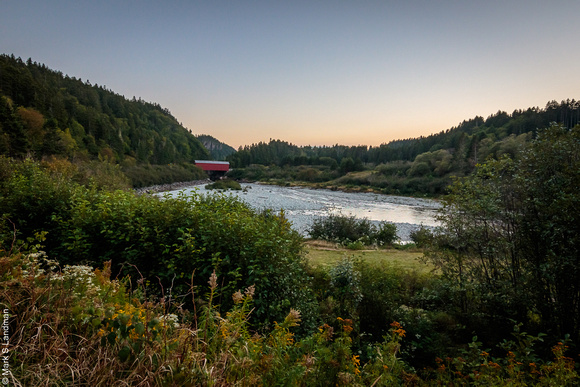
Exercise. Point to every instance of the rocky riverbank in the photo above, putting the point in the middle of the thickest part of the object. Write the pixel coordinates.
(171, 187)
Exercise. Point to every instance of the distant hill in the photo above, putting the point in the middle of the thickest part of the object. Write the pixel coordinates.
(44, 112)
(469, 142)
(414, 166)
(217, 149)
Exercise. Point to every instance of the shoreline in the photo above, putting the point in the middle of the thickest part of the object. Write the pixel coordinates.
(317, 186)
(340, 188)
(170, 186)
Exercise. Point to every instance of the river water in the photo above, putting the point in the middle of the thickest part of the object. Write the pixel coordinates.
(303, 205)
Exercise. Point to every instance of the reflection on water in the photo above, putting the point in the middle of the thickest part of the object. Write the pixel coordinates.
(303, 205)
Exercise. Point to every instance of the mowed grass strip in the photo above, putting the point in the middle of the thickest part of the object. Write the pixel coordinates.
(325, 254)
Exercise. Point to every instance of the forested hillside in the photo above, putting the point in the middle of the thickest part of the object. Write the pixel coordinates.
(471, 141)
(45, 112)
(423, 165)
(217, 149)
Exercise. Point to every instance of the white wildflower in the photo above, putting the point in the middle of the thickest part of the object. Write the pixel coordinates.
(170, 319)
(81, 275)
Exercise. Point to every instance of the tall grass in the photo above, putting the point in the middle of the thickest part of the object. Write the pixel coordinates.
(76, 326)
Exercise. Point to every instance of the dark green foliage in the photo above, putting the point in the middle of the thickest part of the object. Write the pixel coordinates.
(13, 141)
(419, 169)
(225, 184)
(510, 238)
(340, 228)
(84, 120)
(217, 149)
(393, 169)
(373, 297)
(345, 288)
(385, 234)
(275, 152)
(30, 196)
(390, 294)
(31, 193)
(349, 229)
(422, 237)
(146, 175)
(174, 242)
(347, 164)
(548, 176)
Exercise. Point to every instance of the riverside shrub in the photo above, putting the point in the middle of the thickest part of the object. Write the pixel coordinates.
(225, 185)
(165, 240)
(349, 229)
(373, 296)
(510, 237)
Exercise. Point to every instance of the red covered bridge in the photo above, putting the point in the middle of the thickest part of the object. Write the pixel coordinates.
(215, 169)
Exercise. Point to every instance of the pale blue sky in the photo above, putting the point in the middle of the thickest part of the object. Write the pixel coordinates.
(310, 72)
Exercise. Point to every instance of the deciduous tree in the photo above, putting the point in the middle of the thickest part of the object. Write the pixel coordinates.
(511, 235)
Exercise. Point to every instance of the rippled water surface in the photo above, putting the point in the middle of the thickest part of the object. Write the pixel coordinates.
(303, 205)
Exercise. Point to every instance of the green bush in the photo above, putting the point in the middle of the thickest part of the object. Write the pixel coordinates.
(374, 296)
(146, 175)
(422, 237)
(395, 168)
(340, 228)
(385, 234)
(168, 239)
(357, 245)
(31, 194)
(349, 230)
(419, 169)
(224, 184)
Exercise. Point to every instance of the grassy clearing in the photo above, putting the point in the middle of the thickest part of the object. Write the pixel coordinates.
(325, 254)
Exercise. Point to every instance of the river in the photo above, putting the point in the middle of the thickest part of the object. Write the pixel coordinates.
(303, 205)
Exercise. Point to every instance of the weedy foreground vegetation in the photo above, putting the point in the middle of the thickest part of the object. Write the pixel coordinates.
(106, 287)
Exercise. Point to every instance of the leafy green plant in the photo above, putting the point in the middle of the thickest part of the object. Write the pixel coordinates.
(422, 236)
(77, 326)
(166, 238)
(510, 237)
(224, 185)
(353, 231)
(385, 234)
(356, 245)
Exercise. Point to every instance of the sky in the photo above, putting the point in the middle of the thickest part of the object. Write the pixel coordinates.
(310, 72)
